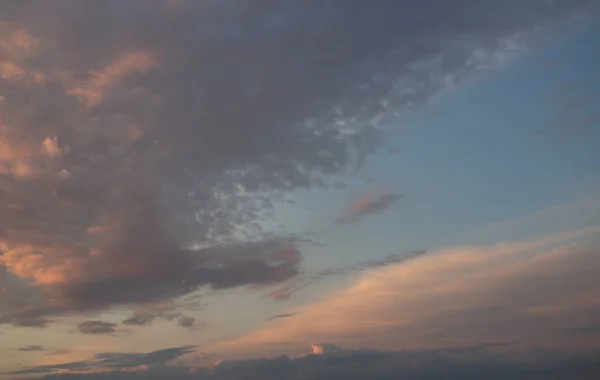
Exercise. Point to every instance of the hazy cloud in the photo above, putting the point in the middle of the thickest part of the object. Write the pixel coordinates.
(58, 352)
(285, 291)
(30, 348)
(139, 320)
(373, 201)
(186, 322)
(146, 314)
(96, 327)
(280, 316)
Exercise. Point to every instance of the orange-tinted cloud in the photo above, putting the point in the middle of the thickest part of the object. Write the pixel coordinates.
(373, 201)
(128, 64)
(529, 291)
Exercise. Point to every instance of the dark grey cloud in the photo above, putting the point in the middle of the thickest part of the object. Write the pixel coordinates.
(26, 318)
(139, 320)
(280, 316)
(58, 352)
(30, 348)
(133, 130)
(336, 363)
(96, 327)
(186, 322)
(593, 329)
(161, 272)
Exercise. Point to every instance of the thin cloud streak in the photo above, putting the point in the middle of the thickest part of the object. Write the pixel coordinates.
(374, 201)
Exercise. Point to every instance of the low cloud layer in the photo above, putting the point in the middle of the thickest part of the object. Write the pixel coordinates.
(331, 362)
(143, 142)
(111, 361)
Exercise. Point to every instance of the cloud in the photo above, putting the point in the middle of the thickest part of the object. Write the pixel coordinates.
(30, 348)
(120, 275)
(186, 322)
(527, 291)
(146, 314)
(327, 349)
(286, 291)
(25, 318)
(373, 201)
(280, 316)
(108, 361)
(329, 361)
(128, 64)
(140, 320)
(58, 352)
(96, 327)
(127, 139)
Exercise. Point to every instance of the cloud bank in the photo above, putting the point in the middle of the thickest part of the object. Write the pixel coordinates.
(331, 362)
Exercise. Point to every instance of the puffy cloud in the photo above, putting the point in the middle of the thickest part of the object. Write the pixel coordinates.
(136, 262)
(186, 322)
(96, 327)
(163, 126)
(327, 349)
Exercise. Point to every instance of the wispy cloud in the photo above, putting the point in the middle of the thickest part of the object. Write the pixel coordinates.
(280, 316)
(30, 348)
(108, 361)
(286, 291)
(375, 200)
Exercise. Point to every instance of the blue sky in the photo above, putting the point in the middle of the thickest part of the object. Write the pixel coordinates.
(472, 159)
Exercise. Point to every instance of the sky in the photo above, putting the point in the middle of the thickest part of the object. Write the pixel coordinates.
(257, 189)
